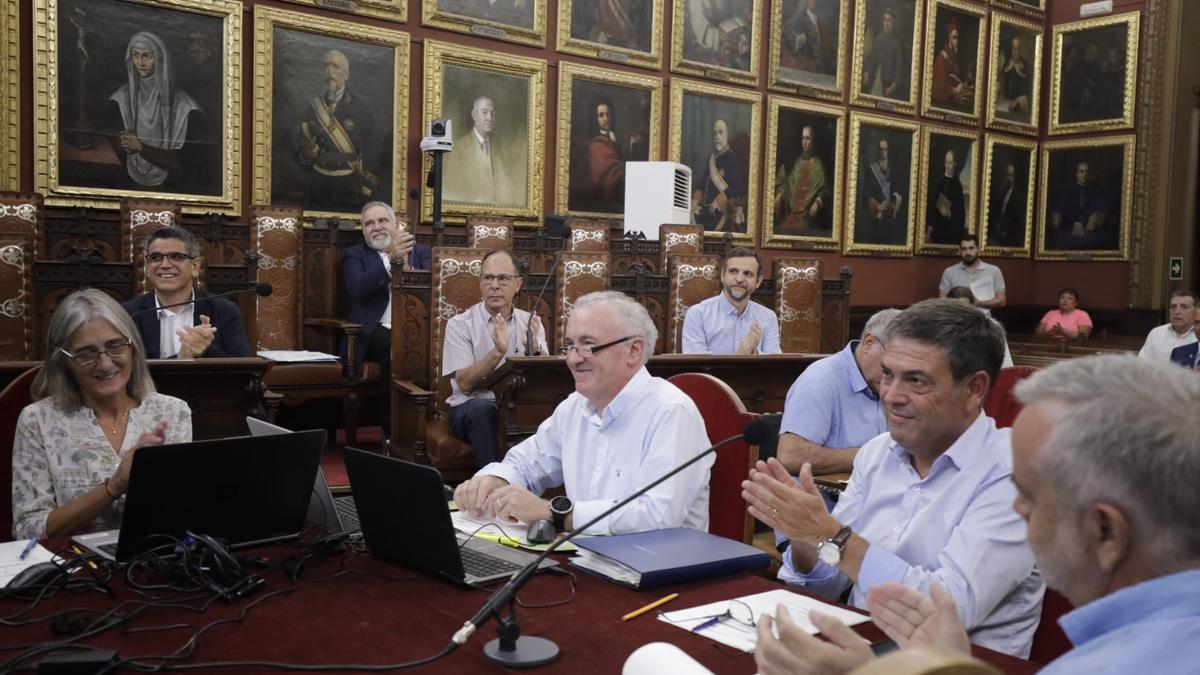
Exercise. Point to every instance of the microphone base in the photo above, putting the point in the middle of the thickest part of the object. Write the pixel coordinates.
(528, 652)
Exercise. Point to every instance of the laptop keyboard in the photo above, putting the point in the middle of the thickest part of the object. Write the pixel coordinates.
(110, 549)
(478, 564)
(347, 513)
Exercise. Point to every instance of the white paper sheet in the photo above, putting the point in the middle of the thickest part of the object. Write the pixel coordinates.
(296, 356)
(743, 637)
(468, 524)
(10, 563)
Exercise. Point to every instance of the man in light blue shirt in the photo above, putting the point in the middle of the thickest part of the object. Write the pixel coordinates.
(928, 502)
(833, 407)
(1106, 460)
(618, 432)
(730, 322)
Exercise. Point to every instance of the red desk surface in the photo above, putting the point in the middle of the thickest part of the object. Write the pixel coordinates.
(353, 608)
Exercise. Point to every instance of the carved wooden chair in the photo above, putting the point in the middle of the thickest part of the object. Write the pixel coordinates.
(140, 217)
(13, 399)
(489, 232)
(579, 274)
(693, 279)
(588, 236)
(454, 289)
(277, 242)
(21, 226)
(798, 304)
(678, 240)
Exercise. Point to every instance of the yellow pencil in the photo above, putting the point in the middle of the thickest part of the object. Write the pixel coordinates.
(657, 603)
(85, 559)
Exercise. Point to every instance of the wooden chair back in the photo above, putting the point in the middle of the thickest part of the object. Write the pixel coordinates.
(798, 304)
(21, 225)
(277, 239)
(579, 274)
(678, 240)
(140, 217)
(693, 279)
(489, 232)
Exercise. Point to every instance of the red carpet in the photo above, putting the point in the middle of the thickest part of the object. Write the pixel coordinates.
(369, 438)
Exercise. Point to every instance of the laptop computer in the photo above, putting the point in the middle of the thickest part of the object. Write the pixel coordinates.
(245, 490)
(405, 519)
(333, 514)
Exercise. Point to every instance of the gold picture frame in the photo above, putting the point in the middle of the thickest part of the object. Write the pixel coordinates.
(1011, 105)
(625, 48)
(1034, 8)
(866, 87)
(783, 225)
(76, 160)
(516, 87)
(1002, 208)
(1075, 224)
(937, 230)
(696, 107)
(291, 52)
(642, 97)
(10, 91)
(946, 96)
(392, 10)
(454, 15)
(864, 237)
(731, 39)
(1094, 108)
(788, 75)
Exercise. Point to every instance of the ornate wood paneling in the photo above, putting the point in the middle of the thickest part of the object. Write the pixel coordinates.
(279, 249)
(694, 279)
(798, 304)
(140, 217)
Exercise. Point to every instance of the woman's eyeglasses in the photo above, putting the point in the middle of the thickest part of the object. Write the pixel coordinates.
(90, 355)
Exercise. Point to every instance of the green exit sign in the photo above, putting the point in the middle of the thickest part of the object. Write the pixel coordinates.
(1176, 268)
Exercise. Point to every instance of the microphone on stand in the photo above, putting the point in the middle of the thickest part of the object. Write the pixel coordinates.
(515, 650)
(529, 348)
(263, 290)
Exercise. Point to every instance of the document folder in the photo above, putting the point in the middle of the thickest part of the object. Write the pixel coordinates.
(649, 559)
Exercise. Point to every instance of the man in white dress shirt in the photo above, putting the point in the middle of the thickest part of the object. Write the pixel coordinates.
(1177, 333)
(619, 431)
(730, 322)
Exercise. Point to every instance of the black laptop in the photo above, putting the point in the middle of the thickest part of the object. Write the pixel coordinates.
(245, 490)
(405, 519)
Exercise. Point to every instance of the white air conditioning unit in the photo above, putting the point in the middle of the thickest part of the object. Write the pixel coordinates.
(656, 193)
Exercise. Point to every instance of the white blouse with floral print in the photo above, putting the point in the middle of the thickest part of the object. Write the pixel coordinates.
(58, 456)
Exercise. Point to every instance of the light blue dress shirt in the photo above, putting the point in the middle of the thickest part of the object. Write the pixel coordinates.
(831, 405)
(1151, 627)
(714, 326)
(956, 526)
(650, 428)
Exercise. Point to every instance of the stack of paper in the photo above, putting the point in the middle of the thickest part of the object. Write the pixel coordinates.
(296, 356)
(492, 527)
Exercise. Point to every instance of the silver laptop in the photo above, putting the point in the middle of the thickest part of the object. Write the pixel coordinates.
(333, 514)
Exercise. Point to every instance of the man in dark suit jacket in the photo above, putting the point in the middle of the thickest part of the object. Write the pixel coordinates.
(367, 278)
(211, 327)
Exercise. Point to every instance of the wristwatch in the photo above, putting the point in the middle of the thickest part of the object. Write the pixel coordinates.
(830, 550)
(560, 508)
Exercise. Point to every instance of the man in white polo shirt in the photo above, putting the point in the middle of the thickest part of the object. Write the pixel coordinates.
(1164, 339)
(985, 281)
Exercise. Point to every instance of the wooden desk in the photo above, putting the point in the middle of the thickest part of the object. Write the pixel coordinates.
(528, 388)
(357, 609)
(220, 392)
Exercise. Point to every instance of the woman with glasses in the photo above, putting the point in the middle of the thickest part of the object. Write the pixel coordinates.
(97, 405)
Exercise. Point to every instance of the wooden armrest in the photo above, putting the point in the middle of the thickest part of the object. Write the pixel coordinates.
(411, 390)
(336, 324)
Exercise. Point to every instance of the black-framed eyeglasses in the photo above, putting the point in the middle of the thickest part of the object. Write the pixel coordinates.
(174, 256)
(90, 355)
(588, 351)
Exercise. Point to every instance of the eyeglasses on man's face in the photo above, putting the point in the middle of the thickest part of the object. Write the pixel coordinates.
(174, 256)
(88, 356)
(502, 279)
(587, 351)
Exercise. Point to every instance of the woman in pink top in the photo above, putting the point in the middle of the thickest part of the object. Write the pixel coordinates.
(1068, 321)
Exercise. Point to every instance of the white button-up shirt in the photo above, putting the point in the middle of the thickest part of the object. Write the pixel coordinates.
(650, 428)
(1163, 340)
(714, 326)
(169, 323)
(956, 526)
(469, 339)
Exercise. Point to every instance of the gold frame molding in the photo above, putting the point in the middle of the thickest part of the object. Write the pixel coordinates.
(535, 36)
(985, 192)
(567, 74)
(1128, 144)
(928, 107)
(791, 241)
(10, 90)
(857, 97)
(921, 245)
(392, 10)
(439, 54)
(266, 19)
(1132, 21)
(46, 114)
(707, 70)
(1038, 12)
(598, 50)
(1035, 98)
(681, 87)
(857, 121)
(777, 83)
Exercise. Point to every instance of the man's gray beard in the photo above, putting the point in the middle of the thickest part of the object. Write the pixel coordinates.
(380, 244)
(331, 90)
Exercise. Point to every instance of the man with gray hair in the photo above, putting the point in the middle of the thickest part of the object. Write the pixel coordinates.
(620, 430)
(1106, 459)
(928, 502)
(833, 407)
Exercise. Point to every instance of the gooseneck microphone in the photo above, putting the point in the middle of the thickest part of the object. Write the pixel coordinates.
(263, 290)
(529, 348)
(514, 650)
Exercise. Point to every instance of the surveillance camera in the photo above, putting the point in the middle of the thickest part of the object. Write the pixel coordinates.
(439, 128)
(440, 137)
